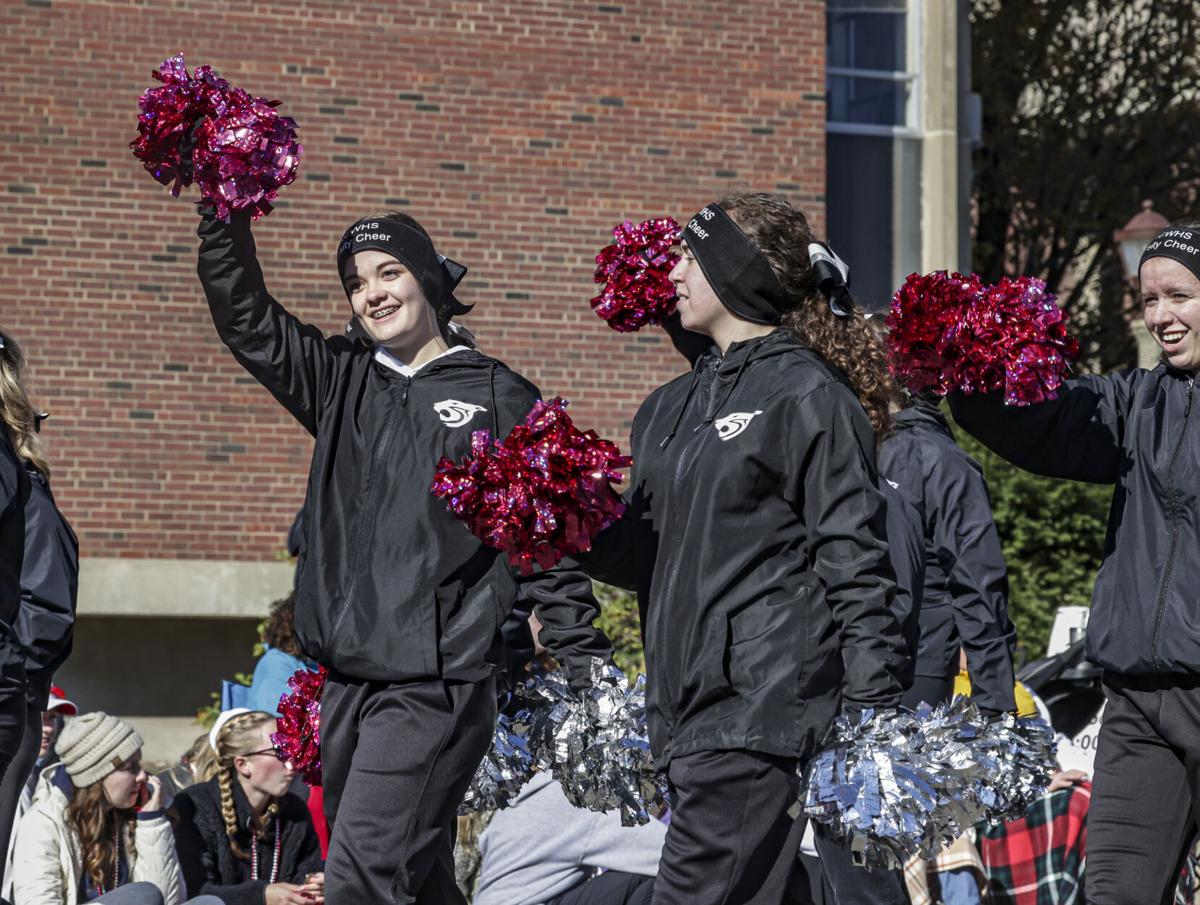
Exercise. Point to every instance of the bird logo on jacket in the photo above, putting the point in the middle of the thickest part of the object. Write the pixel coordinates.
(732, 425)
(454, 413)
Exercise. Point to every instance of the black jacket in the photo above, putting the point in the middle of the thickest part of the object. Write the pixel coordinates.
(906, 553)
(14, 496)
(391, 586)
(208, 863)
(49, 581)
(755, 539)
(1140, 431)
(965, 603)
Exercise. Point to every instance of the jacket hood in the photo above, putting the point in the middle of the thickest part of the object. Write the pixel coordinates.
(922, 413)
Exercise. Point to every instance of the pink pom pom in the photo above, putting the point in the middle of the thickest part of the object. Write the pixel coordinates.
(540, 494)
(635, 271)
(297, 738)
(950, 332)
(244, 150)
(168, 114)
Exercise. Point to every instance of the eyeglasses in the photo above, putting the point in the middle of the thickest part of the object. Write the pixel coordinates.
(273, 751)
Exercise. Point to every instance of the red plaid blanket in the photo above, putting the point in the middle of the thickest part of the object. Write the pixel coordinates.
(1039, 859)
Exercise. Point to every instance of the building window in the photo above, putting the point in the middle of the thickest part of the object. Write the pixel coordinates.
(870, 77)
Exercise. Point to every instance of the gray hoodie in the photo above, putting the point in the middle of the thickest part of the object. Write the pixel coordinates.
(541, 846)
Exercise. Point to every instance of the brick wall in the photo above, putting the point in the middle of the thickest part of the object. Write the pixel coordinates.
(517, 132)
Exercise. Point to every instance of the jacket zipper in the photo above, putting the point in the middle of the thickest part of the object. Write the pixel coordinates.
(359, 542)
(1171, 494)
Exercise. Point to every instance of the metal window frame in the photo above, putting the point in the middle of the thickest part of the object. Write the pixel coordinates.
(913, 107)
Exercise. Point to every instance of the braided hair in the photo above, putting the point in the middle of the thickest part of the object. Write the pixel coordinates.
(237, 738)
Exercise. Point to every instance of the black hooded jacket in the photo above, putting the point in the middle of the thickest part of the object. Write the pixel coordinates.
(391, 586)
(14, 497)
(208, 863)
(1139, 431)
(755, 540)
(49, 582)
(965, 602)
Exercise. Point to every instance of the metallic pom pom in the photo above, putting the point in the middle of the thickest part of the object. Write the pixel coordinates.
(635, 271)
(502, 773)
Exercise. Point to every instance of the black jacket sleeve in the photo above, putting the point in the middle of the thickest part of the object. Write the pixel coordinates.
(845, 523)
(964, 538)
(197, 860)
(563, 602)
(49, 582)
(906, 552)
(291, 359)
(1079, 435)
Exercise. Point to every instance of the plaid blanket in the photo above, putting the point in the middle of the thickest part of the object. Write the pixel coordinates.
(1039, 859)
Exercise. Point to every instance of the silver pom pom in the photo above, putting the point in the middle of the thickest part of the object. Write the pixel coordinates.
(898, 784)
(595, 743)
(501, 774)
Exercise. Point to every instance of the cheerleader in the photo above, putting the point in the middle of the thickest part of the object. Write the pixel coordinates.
(755, 538)
(1140, 432)
(394, 596)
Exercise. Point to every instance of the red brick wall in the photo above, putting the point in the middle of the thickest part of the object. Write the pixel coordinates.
(517, 132)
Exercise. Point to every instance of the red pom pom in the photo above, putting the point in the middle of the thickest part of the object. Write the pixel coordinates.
(298, 731)
(951, 332)
(540, 494)
(244, 150)
(168, 114)
(634, 270)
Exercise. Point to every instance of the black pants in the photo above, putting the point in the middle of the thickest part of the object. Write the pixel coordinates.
(846, 883)
(930, 689)
(731, 841)
(609, 888)
(1145, 790)
(396, 760)
(17, 774)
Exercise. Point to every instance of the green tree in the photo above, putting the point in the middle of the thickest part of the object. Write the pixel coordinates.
(1088, 107)
(619, 620)
(1053, 536)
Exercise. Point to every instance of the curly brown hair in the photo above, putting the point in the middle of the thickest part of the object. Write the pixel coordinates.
(783, 235)
(94, 821)
(279, 631)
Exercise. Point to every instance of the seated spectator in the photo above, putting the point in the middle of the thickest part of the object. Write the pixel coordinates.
(57, 707)
(241, 836)
(84, 838)
(280, 660)
(541, 850)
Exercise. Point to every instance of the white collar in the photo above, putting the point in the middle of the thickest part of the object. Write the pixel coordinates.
(384, 357)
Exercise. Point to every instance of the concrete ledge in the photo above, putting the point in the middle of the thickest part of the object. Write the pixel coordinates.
(180, 587)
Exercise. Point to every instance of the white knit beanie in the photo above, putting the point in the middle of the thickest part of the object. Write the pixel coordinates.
(95, 744)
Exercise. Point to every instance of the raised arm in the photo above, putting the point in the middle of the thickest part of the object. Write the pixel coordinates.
(844, 516)
(1079, 435)
(291, 359)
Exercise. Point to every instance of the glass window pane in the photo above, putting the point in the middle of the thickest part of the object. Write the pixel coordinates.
(866, 40)
(875, 102)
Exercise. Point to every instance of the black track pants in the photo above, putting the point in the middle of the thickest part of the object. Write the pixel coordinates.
(1145, 789)
(396, 760)
(609, 888)
(731, 841)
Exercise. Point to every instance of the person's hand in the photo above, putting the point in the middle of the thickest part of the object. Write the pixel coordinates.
(154, 800)
(1064, 779)
(286, 894)
(314, 887)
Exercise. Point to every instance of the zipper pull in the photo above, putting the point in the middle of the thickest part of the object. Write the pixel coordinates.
(404, 394)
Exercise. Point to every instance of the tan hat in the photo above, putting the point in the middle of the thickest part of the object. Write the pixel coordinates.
(95, 744)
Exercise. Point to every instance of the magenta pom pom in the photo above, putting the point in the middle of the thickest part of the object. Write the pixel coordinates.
(297, 738)
(541, 493)
(244, 151)
(950, 332)
(634, 271)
